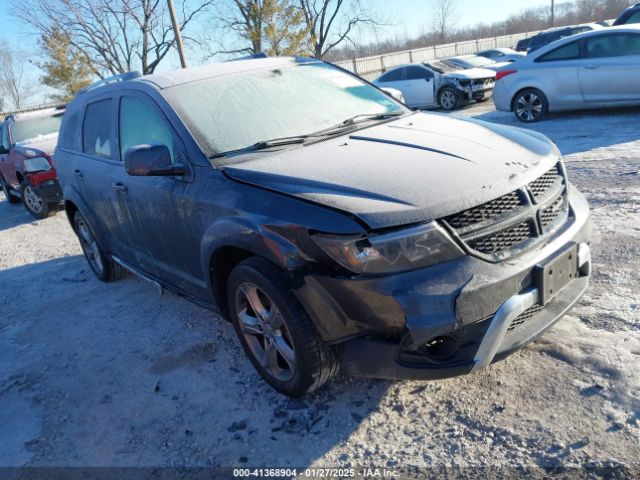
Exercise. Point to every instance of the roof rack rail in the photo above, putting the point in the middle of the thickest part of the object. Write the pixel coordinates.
(249, 57)
(123, 77)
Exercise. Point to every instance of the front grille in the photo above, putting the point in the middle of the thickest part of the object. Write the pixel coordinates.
(504, 240)
(487, 211)
(549, 215)
(489, 230)
(540, 187)
(524, 316)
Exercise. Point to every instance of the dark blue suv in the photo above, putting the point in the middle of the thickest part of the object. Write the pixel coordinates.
(331, 224)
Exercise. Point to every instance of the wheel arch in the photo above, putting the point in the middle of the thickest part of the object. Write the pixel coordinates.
(520, 90)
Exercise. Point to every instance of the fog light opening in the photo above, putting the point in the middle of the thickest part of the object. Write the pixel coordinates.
(441, 348)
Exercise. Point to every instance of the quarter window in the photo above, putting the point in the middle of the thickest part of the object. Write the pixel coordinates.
(566, 52)
(142, 123)
(96, 129)
(613, 45)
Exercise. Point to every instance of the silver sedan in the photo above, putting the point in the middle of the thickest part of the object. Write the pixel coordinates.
(595, 69)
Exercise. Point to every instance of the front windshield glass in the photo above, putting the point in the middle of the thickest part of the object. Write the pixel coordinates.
(474, 62)
(441, 67)
(27, 129)
(232, 112)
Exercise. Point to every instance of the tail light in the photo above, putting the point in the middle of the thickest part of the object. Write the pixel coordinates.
(504, 73)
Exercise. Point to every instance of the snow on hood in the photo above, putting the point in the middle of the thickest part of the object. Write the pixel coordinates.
(472, 74)
(415, 169)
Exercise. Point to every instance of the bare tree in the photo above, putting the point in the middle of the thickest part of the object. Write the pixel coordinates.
(115, 36)
(14, 82)
(444, 18)
(331, 22)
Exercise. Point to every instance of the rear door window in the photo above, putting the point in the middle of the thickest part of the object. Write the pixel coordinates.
(392, 76)
(635, 18)
(97, 129)
(569, 51)
(613, 45)
(418, 73)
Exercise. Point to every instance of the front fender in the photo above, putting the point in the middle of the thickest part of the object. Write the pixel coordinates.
(265, 240)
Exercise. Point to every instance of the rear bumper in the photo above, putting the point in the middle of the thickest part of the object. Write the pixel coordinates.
(501, 97)
(469, 301)
(49, 191)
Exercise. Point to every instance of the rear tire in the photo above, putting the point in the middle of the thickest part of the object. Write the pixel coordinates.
(104, 267)
(530, 105)
(448, 99)
(275, 332)
(34, 204)
(11, 199)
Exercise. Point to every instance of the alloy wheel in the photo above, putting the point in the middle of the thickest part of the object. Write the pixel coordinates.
(529, 107)
(33, 200)
(90, 246)
(447, 100)
(265, 331)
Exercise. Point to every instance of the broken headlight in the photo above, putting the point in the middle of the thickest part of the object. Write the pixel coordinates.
(396, 251)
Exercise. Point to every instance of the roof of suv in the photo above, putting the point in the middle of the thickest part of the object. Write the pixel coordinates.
(194, 74)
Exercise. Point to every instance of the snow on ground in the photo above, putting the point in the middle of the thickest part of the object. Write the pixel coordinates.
(95, 374)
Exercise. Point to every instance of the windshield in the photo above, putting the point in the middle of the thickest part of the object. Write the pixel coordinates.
(31, 128)
(232, 112)
(441, 67)
(472, 61)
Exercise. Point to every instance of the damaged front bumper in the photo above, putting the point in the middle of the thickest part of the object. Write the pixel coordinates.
(449, 319)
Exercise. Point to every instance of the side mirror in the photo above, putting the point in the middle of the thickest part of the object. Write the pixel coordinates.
(151, 161)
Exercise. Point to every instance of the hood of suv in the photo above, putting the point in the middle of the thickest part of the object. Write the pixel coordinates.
(415, 169)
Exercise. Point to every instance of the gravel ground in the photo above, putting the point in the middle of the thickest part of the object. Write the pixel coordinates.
(95, 374)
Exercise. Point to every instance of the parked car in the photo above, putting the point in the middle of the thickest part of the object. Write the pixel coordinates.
(330, 223)
(595, 69)
(500, 55)
(629, 16)
(466, 62)
(523, 44)
(437, 84)
(394, 92)
(27, 141)
(549, 36)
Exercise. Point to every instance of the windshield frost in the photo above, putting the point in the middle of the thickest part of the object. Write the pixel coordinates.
(233, 112)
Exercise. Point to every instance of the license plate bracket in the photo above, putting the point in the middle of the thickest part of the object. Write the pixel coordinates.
(554, 273)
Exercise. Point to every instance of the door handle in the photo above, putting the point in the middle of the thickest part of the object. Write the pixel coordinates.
(592, 67)
(119, 187)
(77, 173)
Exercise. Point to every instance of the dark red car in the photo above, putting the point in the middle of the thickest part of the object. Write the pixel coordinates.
(27, 142)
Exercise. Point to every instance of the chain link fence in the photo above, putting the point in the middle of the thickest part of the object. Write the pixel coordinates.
(371, 67)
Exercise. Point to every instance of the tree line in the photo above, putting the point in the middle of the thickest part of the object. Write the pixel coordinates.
(84, 40)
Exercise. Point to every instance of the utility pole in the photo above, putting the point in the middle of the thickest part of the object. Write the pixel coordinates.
(176, 30)
(553, 13)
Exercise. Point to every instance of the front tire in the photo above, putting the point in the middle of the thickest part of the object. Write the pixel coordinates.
(104, 267)
(448, 99)
(34, 203)
(275, 332)
(11, 199)
(530, 105)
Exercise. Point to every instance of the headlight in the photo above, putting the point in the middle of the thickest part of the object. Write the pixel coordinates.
(37, 164)
(397, 251)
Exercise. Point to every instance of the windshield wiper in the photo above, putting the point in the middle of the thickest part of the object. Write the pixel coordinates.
(274, 142)
(372, 116)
